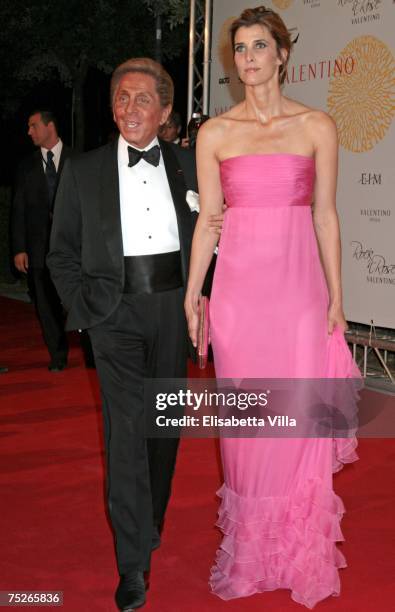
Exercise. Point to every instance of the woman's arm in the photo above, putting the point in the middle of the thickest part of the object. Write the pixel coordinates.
(211, 201)
(326, 222)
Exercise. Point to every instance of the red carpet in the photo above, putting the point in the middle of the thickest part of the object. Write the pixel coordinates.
(53, 528)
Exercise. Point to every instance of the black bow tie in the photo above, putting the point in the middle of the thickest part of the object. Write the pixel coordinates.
(152, 156)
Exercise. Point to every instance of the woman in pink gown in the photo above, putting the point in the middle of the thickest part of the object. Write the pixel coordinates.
(276, 312)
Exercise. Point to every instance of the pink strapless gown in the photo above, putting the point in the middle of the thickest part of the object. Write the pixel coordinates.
(279, 514)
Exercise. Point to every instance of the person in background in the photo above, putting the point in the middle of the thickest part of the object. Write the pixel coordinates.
(170, 131)
(31, 219)
(195, 123)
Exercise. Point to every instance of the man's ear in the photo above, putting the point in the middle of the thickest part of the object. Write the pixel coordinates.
(166, 110)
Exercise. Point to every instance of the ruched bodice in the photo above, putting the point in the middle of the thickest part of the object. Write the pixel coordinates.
(279, 514)
(272, 179)
(269, 248)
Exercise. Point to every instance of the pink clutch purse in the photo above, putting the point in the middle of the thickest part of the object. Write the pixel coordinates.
(203, 332)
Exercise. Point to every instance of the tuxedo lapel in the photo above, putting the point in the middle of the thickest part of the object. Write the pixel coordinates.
(63, 156)
(178, 189)
(65, 153)
(110, 203)
(39, 179)
(38, 164)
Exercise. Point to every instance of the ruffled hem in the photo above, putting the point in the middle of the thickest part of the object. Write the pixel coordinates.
(280, 543)
(290, 542)
(343, 452)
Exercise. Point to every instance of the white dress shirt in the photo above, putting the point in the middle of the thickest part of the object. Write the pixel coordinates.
(148, 216)
(56, 150)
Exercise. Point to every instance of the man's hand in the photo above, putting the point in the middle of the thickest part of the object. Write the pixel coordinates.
(21, 262)
(215, 222)
(191, 306)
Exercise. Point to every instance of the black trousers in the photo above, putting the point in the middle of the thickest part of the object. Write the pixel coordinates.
(144, 338)
(50, 313)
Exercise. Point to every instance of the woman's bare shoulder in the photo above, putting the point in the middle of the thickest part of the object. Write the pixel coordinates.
(223, 120)
(219, 126)
(210, 130)
(318, 122)
(294, 108)
(306, 113)
(314, 119)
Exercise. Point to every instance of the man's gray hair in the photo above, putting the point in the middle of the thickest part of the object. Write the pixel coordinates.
(145, 65)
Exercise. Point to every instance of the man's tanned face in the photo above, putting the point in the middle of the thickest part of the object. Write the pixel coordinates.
(137, 109)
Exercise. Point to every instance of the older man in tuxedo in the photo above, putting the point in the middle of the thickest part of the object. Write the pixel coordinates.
(36, 183)
(119, 258)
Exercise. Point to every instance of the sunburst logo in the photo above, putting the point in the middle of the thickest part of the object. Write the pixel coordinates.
(363, 103)
(282, 4)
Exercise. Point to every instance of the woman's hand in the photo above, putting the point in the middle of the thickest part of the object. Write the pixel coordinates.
(191, 306)
(336, 318)
(215, 222)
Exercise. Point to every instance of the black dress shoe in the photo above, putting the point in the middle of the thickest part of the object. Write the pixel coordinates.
(155, 538)
(57, 366)
(130, 593)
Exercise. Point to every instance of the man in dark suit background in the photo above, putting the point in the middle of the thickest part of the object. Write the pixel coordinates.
(31, 219)
(171, 130)
(119, 257)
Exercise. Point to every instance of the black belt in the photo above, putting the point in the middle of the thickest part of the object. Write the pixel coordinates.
(152, 273)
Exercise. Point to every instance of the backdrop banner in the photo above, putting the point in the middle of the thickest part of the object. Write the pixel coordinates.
(342, 62)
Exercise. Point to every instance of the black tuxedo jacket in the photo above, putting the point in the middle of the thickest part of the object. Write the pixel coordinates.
(31, 209)
(86, 258)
